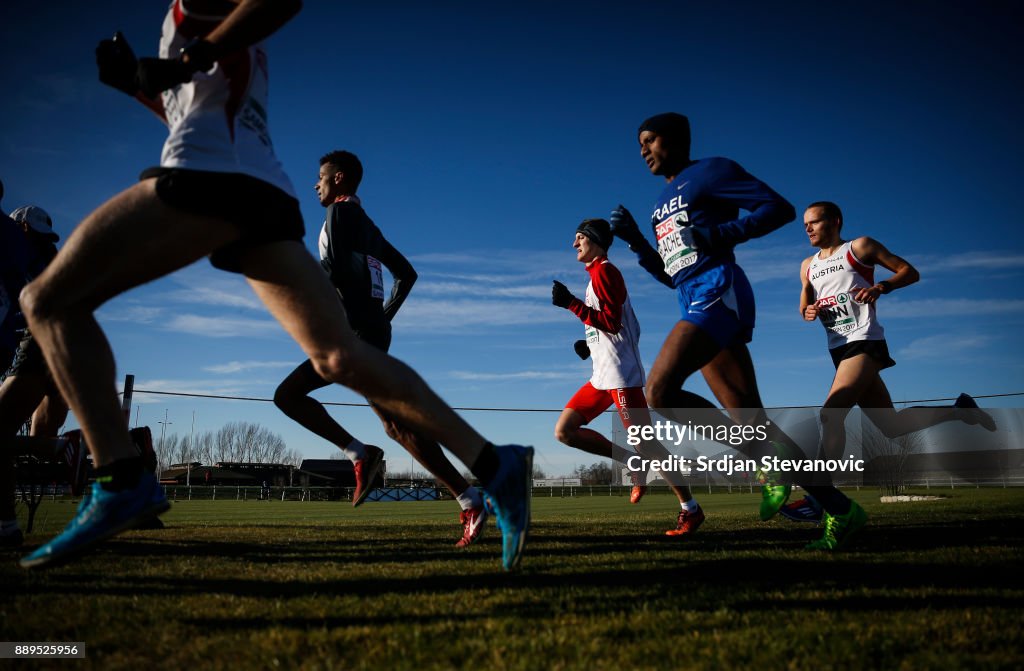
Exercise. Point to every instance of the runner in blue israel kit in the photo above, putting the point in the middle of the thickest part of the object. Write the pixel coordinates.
(697, 255)
(696, 222)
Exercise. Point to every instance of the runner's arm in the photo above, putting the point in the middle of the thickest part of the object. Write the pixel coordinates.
(651, 261)
(873, 252)
(808, 306)
(625, 227)
(250, 22)
(610, 289)
(404, 276)
(767, 209)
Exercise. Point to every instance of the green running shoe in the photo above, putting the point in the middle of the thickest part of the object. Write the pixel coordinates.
(840, 529)
(773, 497)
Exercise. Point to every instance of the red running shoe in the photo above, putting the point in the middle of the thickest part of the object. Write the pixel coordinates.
(687, 523)
(366, 473)
(473, 521)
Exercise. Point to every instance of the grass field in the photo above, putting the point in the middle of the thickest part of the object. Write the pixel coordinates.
(256, 585)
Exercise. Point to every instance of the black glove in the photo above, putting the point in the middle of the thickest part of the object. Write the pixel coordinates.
(701, 238)
(159, 74)
(155, 75)
(560, 294)
(624, 226)
(117, 64)
(582, 349)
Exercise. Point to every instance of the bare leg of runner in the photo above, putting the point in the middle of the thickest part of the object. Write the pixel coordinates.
(292, 397)
(150, 239)
(49, 416)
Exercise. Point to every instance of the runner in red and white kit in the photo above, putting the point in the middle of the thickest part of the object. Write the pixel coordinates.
(840, 290)
(613, 340)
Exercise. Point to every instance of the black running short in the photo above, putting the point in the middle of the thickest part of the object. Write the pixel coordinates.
(28, 359)
(263, 212)
(876, 349)
(379, 337)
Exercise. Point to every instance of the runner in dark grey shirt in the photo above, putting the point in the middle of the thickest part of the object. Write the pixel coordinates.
(354, 254)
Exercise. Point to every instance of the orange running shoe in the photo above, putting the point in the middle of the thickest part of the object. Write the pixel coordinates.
(687, 523)
(639, 480)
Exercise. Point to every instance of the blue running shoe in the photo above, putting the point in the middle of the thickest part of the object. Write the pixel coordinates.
(101, 515)
(489, 507)
(806, 509)
(510, 492)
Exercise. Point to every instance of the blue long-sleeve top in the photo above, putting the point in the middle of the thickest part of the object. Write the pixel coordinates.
(710, 192)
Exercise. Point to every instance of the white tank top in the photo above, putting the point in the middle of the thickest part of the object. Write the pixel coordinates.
(616, 357)
(835, 281)
(218, 121)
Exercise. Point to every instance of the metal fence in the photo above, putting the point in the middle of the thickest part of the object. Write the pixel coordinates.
(179, 493)
(286, 493)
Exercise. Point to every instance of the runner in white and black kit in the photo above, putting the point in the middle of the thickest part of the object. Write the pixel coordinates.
(839, 289)
(219, 191)
(613, 340)
(354, 252)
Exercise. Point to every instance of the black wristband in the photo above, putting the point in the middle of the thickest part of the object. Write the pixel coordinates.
(886, 287)
(200, 54)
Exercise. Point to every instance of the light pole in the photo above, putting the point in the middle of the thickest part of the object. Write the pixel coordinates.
(188, 456)
(163, 430)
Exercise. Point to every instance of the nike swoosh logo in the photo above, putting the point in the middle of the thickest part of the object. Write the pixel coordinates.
(480, 519)
(680, 187)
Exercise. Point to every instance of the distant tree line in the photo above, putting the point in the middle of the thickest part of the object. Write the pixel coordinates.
(235, 441)
(600, 473)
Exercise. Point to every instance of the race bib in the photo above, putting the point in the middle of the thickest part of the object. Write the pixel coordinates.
(674, 252)
(376, 277)
(841, 314)
(592, 335)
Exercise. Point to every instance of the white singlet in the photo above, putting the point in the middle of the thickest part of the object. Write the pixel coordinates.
(835, 281)
(218, 121)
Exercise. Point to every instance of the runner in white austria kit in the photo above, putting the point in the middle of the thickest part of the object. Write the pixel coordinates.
(836, 280)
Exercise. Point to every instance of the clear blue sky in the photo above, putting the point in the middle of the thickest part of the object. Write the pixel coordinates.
(487, 133)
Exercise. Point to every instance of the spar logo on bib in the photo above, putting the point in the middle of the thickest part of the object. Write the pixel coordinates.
(827, 302)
